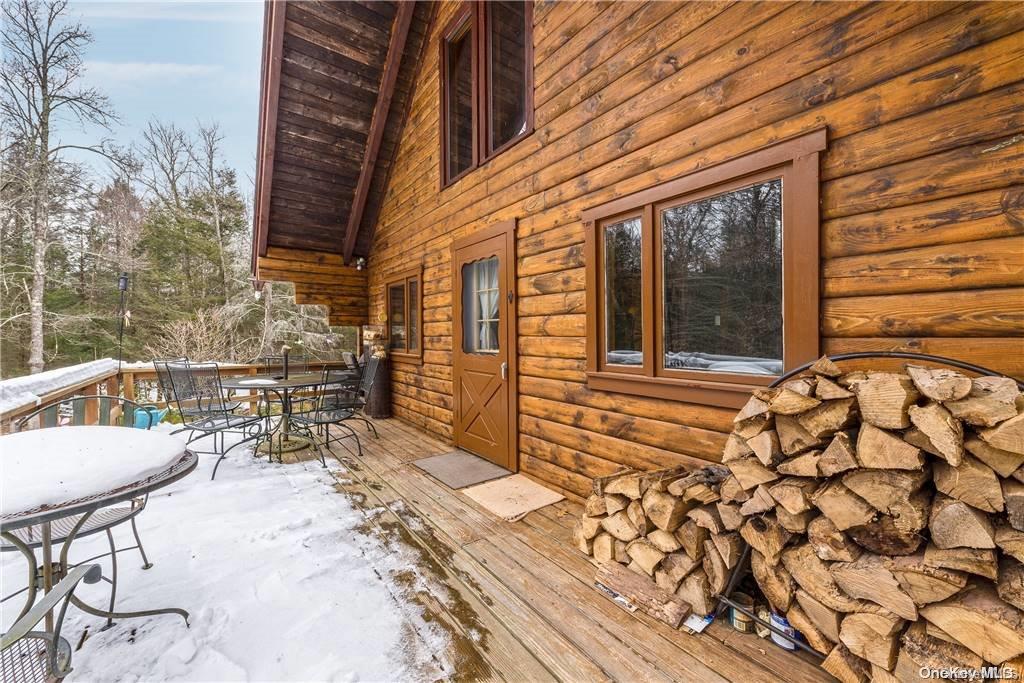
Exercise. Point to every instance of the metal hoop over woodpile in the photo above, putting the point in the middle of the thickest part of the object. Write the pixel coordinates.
(881, 512)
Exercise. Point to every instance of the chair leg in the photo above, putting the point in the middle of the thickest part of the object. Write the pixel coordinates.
(146, 564)
(113, 577)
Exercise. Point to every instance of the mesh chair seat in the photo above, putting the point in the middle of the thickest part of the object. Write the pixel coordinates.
(222, 422)
(323, 416)
(26, 660)
(60, 529)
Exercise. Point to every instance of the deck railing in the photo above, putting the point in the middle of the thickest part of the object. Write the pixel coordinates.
(136, 381)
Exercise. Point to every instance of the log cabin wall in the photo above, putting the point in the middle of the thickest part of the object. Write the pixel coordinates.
(921, 194)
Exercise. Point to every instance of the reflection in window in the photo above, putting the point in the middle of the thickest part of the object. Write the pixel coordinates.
(722, 282)
(459, 94)
(623, 306)
(396, 316)
(506, 71)
(414, 307)
(480, 311)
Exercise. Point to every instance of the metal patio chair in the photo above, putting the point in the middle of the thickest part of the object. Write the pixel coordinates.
(113, 411)
(163, 377)
(336, 405)
(199, 385)
(28, 656)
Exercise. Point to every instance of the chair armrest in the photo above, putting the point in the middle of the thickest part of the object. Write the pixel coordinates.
(90, 573)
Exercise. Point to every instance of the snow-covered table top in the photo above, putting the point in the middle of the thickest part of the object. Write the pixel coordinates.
(56, 465)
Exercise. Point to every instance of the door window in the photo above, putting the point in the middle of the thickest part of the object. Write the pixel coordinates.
(480, 308)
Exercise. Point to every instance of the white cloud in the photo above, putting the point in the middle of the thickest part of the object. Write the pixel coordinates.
(173, 11)
(147, 72)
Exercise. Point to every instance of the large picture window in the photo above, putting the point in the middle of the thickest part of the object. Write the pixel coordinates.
(706, 285)
(486, 83)
(404, 307)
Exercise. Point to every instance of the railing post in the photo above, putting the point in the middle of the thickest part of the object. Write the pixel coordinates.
(92, 406)
(128, 382)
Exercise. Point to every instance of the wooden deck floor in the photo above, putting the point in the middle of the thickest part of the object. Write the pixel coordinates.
(517, 599)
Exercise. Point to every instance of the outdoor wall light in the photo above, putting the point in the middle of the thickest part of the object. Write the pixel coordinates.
(360, 263)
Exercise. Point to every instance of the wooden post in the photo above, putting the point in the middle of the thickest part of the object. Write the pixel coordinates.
(128, 382)
(92, 406)
(253, 394)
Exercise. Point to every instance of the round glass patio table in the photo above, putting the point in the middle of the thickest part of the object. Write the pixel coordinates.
(61, 472)
(282, 439)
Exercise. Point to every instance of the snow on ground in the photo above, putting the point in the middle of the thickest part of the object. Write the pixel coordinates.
(281, 581)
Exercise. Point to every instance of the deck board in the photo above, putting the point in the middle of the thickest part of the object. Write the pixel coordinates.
(525, 587)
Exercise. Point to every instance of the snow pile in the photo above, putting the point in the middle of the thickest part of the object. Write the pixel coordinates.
(281, 580)
(28, 390)
(60, 464)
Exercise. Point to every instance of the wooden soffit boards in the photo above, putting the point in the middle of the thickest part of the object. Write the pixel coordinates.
(337, 79)
(320, 279)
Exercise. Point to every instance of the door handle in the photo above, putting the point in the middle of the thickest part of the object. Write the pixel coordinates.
(504, 371)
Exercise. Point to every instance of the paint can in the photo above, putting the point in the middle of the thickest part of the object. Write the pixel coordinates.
(780, 622)
(740, 621)
(765, 615)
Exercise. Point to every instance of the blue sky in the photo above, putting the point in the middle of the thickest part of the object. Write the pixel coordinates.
(179, 62)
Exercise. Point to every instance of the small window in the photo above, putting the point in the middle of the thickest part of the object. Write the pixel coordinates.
(707, 285)
(480, 309)
(486, 57)
(404, 314)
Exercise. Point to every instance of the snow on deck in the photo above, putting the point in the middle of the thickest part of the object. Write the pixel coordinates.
(280, 580)
(28, 390)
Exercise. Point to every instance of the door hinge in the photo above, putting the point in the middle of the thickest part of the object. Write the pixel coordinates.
(510, 296)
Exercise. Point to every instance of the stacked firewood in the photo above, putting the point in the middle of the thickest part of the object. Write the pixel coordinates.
(885, 512)
(670, 526)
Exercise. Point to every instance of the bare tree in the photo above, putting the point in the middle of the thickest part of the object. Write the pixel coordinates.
(40, 84)
(205, 156)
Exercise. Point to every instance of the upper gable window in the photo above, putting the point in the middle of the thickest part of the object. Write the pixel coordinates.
(486, 83)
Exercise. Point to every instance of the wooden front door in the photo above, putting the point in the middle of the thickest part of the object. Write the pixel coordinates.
(484, 344)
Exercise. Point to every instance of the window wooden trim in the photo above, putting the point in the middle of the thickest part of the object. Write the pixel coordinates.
(795, 161)
(474, 13)
(402, 278)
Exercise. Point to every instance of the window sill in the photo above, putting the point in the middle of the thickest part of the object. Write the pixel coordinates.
(701, 391)
(407, 358)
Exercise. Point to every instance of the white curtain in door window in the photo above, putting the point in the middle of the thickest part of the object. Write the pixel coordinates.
(486, 286)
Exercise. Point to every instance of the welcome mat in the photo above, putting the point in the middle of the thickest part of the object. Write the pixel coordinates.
(459, 469)
(512, 498)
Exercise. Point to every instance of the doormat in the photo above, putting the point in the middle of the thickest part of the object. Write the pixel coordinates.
(459, 469)
(512, 498)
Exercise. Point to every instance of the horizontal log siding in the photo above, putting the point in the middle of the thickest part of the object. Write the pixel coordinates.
(922, 193)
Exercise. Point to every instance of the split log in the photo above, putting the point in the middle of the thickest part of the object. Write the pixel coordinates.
(1010, 540)
(760, 501)
(640, 521)
(749, 472)
(803, 465)
(643, 593)
(839, 456)
(730, 547)
(883, 399)
(709, 478)
(846, 666)
(944, 432)
(729, 513)
(921, 651)
(598, 484)
(603, 548)
(645, 555)
(754, 407)
(869, 579)
(665, 511)
(885, 489)
(665, 541)
(915, 437)
(696, 592)
(897, 533)
(590, 526)
(613, 502)
(879, 449)
(873, 637)
(793, 438)
(970, 560)
(829, 417)
(825, 367)
(731, 492)
(801, 385)
(766, 448)
(799, 620)
(673, 569)
(620, 526)
(691, 537)
(939, 384)
(981, 621)
(972, 482)
(631, 485)
(827, 390)
(812, 575)
(955, 524)
(736, 448)
(1013, 497)
(826, 620)
(1010, 587)
(842, 506)
(925, 584)
(990, 401)
(595, 506)
(795, 524)
(794, 493)
(715, 567)
(766, 535)
(789, 402)
(1005, 463)
(706, 516)
(829, 543)
(579, 539)
(774, 581)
